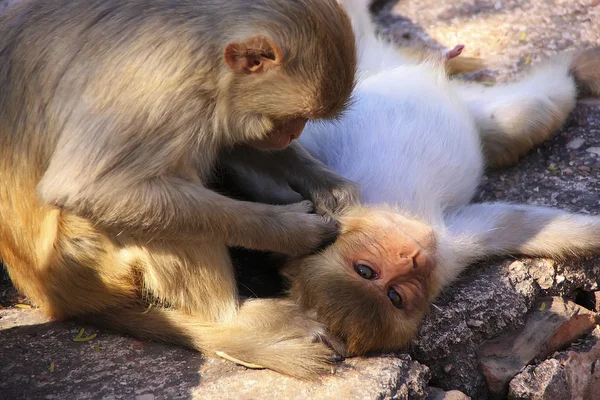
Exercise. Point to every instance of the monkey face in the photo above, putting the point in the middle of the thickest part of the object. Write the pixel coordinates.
(374, 284)
(282, 134)
(278, 81)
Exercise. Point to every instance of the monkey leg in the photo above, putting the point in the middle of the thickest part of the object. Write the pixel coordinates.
(481, 230)
(515, 117)
(196, 278)
(65, 266)
(198, 281)
(269, 333)
(72, 270)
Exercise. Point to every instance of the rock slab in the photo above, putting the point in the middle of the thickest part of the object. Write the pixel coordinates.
(573, 374)
(551, 325)
(39, 359)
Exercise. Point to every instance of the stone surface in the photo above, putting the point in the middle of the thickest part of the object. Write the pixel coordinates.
(117, 367)
(552, 324)
(434, 393)
(573, 374)
(497, 296)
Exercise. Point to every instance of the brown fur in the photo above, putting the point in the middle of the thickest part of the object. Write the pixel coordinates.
(111, 116)
(586, 72)
(453, 66)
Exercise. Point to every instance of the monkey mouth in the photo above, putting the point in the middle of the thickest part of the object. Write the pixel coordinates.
(275, 141)
(283, 141)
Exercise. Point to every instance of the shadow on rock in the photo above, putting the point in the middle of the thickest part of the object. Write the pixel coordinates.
(40, 359)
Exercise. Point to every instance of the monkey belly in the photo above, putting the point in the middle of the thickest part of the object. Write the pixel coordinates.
(407, 140)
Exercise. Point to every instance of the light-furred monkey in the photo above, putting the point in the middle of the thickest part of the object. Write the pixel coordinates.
(112, 114)
(419, 142)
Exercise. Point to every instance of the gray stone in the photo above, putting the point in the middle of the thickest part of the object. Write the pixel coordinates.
(575, 143)
(112, 366)
(594, 150)
(434, 393)
(550, 326)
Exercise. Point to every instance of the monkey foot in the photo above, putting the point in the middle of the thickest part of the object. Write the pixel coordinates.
(240, 362)
(455, 51)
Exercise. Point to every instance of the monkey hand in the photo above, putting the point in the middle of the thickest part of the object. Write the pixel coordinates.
(333, 196)
(302, 231)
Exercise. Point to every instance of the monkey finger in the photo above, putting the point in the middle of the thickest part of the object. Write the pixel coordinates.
(333, 343)
(330, 237)
(336, 198)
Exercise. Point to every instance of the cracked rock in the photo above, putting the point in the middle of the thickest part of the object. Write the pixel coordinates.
(572, 374)
(551, 325)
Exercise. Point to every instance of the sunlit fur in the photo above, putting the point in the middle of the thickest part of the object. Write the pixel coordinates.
(419, 142)
(112, 115)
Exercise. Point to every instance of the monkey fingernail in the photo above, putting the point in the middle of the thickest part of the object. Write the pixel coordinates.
(238, 361)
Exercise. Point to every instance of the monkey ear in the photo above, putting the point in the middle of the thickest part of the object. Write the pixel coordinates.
(252, 55)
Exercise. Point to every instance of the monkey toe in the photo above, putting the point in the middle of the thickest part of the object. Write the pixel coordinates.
(304, 207)
(586, 71)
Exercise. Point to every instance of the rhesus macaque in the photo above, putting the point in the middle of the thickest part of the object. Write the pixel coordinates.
(419, 142)
(112, 114)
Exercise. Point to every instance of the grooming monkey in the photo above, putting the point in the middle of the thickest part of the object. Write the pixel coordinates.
(112, 114)
(419, 142)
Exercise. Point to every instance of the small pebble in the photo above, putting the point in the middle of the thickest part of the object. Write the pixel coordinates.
(552, 167)
(593, 150)
(584, 168)
(576, 143)
(474, 323)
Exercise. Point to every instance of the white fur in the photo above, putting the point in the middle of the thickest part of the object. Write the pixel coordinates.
(414, 139)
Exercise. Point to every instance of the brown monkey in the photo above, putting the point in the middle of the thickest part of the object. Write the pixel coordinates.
(419, 142)
(111, 116)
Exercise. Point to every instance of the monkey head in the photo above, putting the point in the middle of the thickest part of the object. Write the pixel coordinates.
(372, 286)
(298, 64)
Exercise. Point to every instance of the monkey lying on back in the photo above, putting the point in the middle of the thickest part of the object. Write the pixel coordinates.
(419, 142)
(112, 114)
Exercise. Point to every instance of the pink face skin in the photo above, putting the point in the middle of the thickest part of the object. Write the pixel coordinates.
(400, 264)
(282, 135)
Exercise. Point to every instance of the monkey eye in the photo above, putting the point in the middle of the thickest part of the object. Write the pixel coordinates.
(395, 298)
(365, 272)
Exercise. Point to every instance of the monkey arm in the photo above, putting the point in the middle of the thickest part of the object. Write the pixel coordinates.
(300, 171)
(138, 190)
(173, 208)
